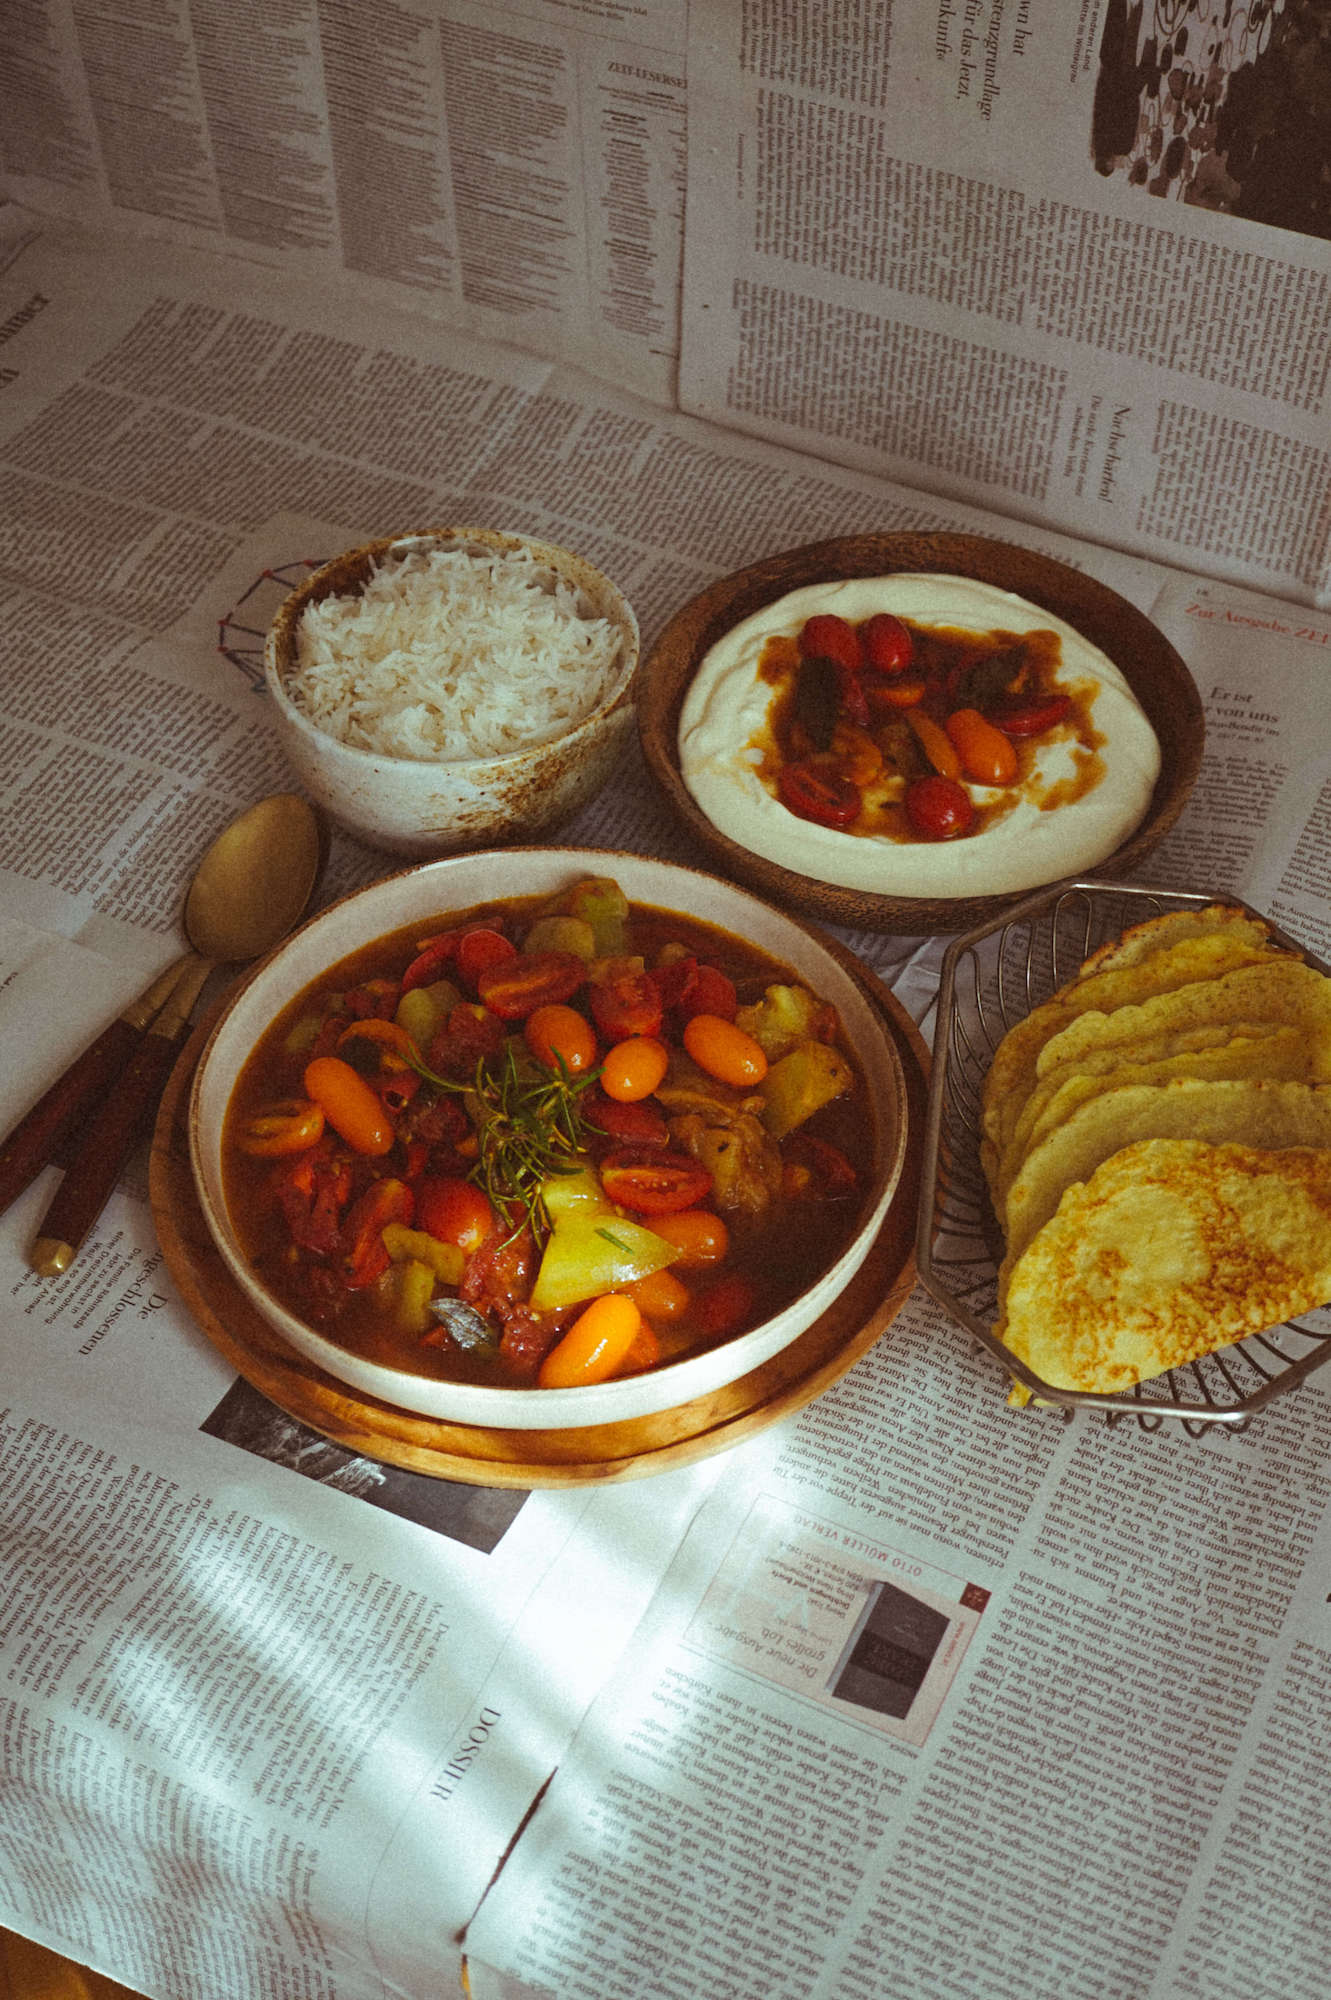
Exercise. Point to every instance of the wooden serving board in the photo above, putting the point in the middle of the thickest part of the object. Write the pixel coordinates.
(583, 1456)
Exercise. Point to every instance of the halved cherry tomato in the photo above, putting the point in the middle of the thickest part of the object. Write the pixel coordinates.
(595, 1344)
(822, 796)
(939, 808)
(350, 1106)
(286, 1127)
(724, 1309)
(479, 948)
(903, 693)
(625, 1000)
(986, 754)
(633, 1068)
(434, 958)
(1029, 718)
(364, 1253)
(640, 1124)
(456, 1211)
(558, 1034)
(700, 1237)
(515, 987)
(888, 645)
(650, 1180)
(725, 1051)
(827, 637)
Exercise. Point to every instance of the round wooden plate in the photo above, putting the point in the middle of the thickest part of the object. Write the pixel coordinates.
(529, 1458)
(1152, 668)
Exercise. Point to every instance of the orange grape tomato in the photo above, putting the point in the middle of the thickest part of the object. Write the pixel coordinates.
(350, 1106)
(454, 1210)
(286, 1127)
(935, 742)
(556, 1033)
(724, 1051)
(594, 1345)
(700, 1237)
(633, 1068)
(659, 1295)
(987, 756)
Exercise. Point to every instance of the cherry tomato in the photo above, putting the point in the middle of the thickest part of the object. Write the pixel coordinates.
(935, 742)
(724, 1309)
(904, 693)
(287, 1127)
(650, 1180)
(480, 947)
(828, 637)
(939, 808)
(456, 1211)
(434, 958)
(700, 1237)
(660, 1295)
(364, 1253)
(595, 1344)
(350, 1106)
(888, 645)
(822, 796)
(1030, 718)
(558, 1033)
(625, 1001)
(986, 754)
(516, 986)
(639, 1124)
(725, 1051)
(633, 1068)
(850, 693)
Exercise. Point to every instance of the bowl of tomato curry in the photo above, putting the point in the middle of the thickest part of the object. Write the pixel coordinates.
(547, 1137)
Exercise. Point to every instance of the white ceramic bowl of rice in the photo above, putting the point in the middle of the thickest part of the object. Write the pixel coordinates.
(453, 689)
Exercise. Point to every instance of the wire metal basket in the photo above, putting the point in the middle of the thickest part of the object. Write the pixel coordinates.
(992, 977)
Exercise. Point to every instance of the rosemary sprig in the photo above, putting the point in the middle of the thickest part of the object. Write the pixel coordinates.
(529, 1126)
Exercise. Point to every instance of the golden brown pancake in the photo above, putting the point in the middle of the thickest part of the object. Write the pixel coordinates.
(1190, 960)
(1171, 927)
(1265, 1115)
(1253, 1050)
(1172, 1249)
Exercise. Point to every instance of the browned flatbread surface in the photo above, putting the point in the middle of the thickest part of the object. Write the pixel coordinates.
(1171, 1249)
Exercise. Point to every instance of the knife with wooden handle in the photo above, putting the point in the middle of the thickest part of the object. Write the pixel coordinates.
(113, 1128)
(34, 1141)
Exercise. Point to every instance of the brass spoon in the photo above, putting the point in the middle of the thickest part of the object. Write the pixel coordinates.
(249, 890)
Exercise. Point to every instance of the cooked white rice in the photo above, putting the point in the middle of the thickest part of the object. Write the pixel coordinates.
(447, 654)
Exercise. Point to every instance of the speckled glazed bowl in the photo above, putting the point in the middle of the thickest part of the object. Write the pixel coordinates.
(429, 894)
(420, 807)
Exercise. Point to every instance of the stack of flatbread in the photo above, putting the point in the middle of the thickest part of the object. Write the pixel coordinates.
(1157, 1142)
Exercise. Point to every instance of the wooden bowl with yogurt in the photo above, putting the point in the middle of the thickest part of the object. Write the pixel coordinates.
(1138, 683)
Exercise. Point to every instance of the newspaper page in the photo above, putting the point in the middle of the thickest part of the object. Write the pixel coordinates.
(514, 170)
(1070, 262)
(265, 1731)
(945, 1698)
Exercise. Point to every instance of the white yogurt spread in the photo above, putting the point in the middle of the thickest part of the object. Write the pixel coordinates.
(725, 712)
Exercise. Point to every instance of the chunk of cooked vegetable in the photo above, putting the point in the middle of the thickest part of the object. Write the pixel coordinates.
(801, 1083)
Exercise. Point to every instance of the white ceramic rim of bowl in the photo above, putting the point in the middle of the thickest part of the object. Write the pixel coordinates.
(463, 767)
(336, 932)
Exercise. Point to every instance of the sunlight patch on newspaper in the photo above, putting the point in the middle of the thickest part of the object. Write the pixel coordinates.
(848, 1622)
